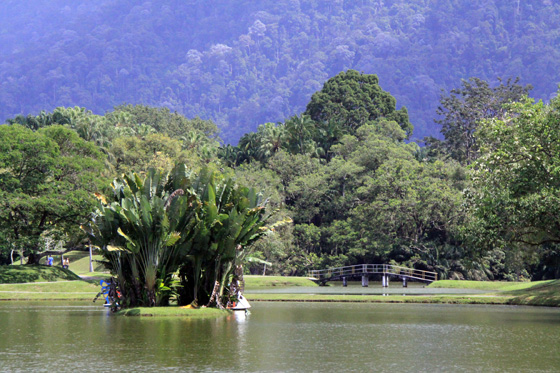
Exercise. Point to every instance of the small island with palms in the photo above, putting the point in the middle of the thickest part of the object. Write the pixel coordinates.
(177, 235)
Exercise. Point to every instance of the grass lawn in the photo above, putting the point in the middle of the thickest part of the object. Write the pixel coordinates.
(538, 293)
(55, 283)
(12, 274)
(79, 264)
(448, 299)
(260, 282)
(42, 282)
(60, 290)
(484, 285)
(542, 293)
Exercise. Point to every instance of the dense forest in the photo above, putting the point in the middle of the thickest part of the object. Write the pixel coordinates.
(245, 63)
(344, 183)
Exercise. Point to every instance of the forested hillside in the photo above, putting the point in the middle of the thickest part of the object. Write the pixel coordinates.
(245, 63)
(341, 180)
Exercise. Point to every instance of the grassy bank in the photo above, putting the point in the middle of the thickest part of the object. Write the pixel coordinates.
(79, 264)
(52, 283)
(542, 293)
(14, 274)
(42, 282)
(200, 313)
(485, 285)
(539, 293)
(260, 282)
(60, 290)
(447, 299)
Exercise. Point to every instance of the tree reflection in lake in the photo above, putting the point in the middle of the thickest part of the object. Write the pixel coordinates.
(283, 337)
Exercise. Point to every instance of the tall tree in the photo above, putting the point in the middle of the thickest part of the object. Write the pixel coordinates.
(354, 99)
(464, 108)
(516, 193)
(47, 181)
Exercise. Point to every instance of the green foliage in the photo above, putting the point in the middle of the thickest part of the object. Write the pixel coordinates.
(371, 201)
(230, 218)
(353, 99)
(47, 180)
(140, 154)
(140, 232)
(514, 201)
(353, 189)
(162, 120)
(155, 226)
(463, 110)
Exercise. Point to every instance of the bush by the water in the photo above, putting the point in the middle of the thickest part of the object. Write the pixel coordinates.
(12, 274)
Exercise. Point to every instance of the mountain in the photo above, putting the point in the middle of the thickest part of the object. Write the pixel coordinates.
(243, 63)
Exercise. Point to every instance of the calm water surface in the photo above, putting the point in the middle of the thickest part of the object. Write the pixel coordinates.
(324, 337)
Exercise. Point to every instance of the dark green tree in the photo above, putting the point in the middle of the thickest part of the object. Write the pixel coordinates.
(354, 99)
(516, 180)
(47, 181)
(464, 108)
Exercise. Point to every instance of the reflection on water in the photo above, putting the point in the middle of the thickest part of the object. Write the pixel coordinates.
(283, 337)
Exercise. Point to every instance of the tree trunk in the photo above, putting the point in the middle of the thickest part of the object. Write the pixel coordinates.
(34, 258)
(90, 259)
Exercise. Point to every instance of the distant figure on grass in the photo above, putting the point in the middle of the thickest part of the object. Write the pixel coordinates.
(66, 263)
(50, 261)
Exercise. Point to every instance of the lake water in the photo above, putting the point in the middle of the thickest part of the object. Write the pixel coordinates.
(322, 337)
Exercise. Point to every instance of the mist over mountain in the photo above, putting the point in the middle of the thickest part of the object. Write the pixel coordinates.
(244, 63)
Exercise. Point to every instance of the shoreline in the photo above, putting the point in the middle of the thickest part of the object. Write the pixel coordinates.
(293, 289)
(480, 300)
(484, 299)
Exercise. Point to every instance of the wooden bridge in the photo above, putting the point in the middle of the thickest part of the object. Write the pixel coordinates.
(364, 270)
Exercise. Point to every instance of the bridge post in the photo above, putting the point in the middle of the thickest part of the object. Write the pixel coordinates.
(385, 280)
(365, 281)
(344, 281)
(404, 282)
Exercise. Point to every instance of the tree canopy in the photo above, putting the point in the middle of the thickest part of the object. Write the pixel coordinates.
(516, 197)
(352, 99)
(346, 189)
(47, 181)
(462, 111)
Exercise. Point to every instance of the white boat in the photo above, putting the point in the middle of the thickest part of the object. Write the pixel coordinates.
(241, 305)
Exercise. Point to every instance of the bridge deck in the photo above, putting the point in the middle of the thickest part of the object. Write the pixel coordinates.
(332, 274)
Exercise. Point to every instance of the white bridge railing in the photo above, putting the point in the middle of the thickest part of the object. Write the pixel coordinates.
(329, 274)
